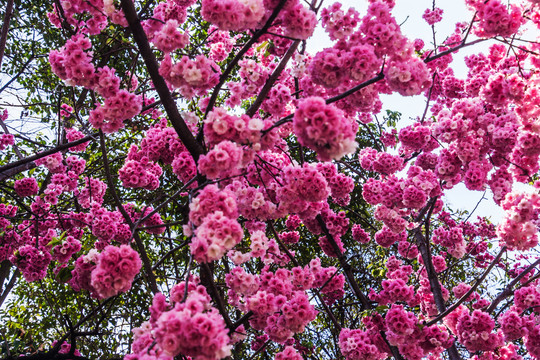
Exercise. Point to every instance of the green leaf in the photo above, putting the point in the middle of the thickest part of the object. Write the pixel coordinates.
(64, 275)
(57, 240)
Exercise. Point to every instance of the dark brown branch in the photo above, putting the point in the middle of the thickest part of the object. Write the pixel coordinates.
(471, 290)
(358, 87)
(17, 170)
(347, 269)
(40, 155)
(508, 289)
(9, 286)
(259, 350)
(5, 28)
(16, 76)
(394, 350)
(169, 253)
(5, 269)
(208, 280)
(243, 320)
(454, 49)
(272, 79)
(278, 123)
(178, 123)
(225, 75)
(423, 247)
(431, 273)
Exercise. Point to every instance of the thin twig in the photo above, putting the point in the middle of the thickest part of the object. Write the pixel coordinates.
(508, 289)
(144, 256)
(468, 293)
(45, 153)
(225, 75)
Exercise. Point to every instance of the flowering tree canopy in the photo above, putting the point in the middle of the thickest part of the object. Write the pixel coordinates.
(210, 188)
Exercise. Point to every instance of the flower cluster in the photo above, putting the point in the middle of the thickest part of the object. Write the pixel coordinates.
(212, 199)
(26, 187)
(518, 229)
(169, 38)
(98, 11)
(474, 331)
(324, 129)
(221, 44)
(279, 309)
(54, 163)
(109, 117)
(224, 160)
(115, 270)
(334, 66)
(192, 77)
(395, 288)
(253, 76)
(73, 134)
(253, 203)
(189, 326)
(288, 353)
(338, 23)
(433, 16)
(32, 261)
(165, 15)
(361, 345)
(381, 162)
(107, 225)
(215, 236)
(214, 212)
(496, 18)
(93, 192)
(409, 77)
(73, 63)
(139, 172)
(233, 14)
(301, 185)
(277, 100)
(415, 136)
(299, 22)
(6, 140)
(220, 126)
(64, 251)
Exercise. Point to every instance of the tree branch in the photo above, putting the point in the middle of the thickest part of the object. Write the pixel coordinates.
(16, 164)
(346, 266)
(178, 123)
(9, 286)
(206, 273)
(471, 290)
(272, 79)
(5, 28)
(225, 75)
(144, 256)
(423, 247)
(508, 289)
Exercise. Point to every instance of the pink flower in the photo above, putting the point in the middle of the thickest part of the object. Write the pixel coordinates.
(323, 128)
